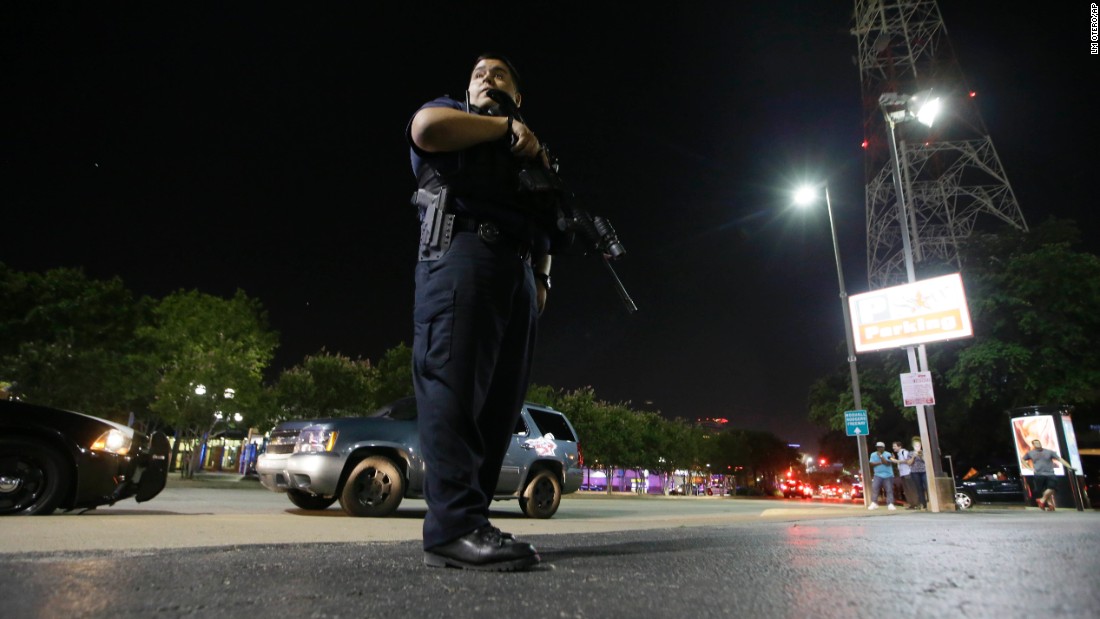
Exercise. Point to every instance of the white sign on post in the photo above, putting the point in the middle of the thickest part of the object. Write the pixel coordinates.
(916, 389)
(930, 310)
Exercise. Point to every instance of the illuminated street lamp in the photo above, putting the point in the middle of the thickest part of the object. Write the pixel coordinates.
(228, 394)
(898, 109)
(923, 108)
(805, 196)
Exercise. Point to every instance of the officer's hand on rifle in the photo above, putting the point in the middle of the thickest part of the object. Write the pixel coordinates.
(524, 142)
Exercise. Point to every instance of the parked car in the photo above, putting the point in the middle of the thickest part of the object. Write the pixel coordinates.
(370, 464)
(54, 459)
(995, 484)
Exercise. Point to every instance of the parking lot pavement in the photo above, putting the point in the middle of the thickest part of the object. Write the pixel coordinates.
(226, 511)
(971, 564)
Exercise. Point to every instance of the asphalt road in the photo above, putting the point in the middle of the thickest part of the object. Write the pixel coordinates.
(234, 551)
(226, 512)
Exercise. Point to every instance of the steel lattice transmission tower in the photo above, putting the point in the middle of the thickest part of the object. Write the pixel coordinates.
(952, 177)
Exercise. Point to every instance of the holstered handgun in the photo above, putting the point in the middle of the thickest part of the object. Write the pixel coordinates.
(436, 226)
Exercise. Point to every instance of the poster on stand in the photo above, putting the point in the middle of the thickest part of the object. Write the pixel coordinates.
(1027, 429)
(1071, 442)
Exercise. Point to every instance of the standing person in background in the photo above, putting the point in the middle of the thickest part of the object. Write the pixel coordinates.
(918, 475)
(903, 458)
(1041, 461)
(882, 466)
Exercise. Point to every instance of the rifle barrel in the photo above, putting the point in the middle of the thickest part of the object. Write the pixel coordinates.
(623, 294)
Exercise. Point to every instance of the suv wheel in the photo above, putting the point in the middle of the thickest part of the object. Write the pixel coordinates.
(374, 488)
(542, 495)
(309, 501)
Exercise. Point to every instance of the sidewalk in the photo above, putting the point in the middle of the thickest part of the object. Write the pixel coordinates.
(213, 479)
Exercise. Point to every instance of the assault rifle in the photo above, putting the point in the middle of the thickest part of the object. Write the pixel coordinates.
(594, 233)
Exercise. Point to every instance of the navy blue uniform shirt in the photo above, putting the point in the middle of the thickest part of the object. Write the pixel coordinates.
(482, 182)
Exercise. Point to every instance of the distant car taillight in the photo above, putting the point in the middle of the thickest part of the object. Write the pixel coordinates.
(580, 455)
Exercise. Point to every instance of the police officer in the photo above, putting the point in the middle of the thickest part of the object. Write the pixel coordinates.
(481, 282)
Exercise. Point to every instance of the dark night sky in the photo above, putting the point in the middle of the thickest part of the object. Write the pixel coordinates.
(240, 145)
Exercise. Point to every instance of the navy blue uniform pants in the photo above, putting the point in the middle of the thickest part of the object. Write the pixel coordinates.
(475, 319)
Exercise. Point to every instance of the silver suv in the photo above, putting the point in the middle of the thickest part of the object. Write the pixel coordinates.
(369, 464)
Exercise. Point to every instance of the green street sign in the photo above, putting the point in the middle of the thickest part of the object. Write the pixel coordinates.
(855, 423)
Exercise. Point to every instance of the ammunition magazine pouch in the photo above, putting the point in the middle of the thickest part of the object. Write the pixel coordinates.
(436, 225)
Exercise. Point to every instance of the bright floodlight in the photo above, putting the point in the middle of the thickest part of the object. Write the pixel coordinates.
(928, 111)
(805, 195)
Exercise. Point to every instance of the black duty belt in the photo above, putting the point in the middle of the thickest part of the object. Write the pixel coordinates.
(491, 233)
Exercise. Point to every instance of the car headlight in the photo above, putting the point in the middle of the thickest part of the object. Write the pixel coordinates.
(113, 441)
(315, 439)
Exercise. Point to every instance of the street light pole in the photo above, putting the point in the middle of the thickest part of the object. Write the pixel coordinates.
(861, 440)
(926, 417)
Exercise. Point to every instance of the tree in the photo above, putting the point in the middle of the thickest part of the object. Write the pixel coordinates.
(652, 445)
(545, 396)
(334, 385)
(880, 390)
(211, 354)
(69, 341)
(769, 456)
(391, 379)
(682, 445)
(1034, 301)
(582, 409)
(324, 385)
(730, 454)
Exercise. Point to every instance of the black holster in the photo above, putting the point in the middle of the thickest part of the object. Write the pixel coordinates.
(436, 225)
